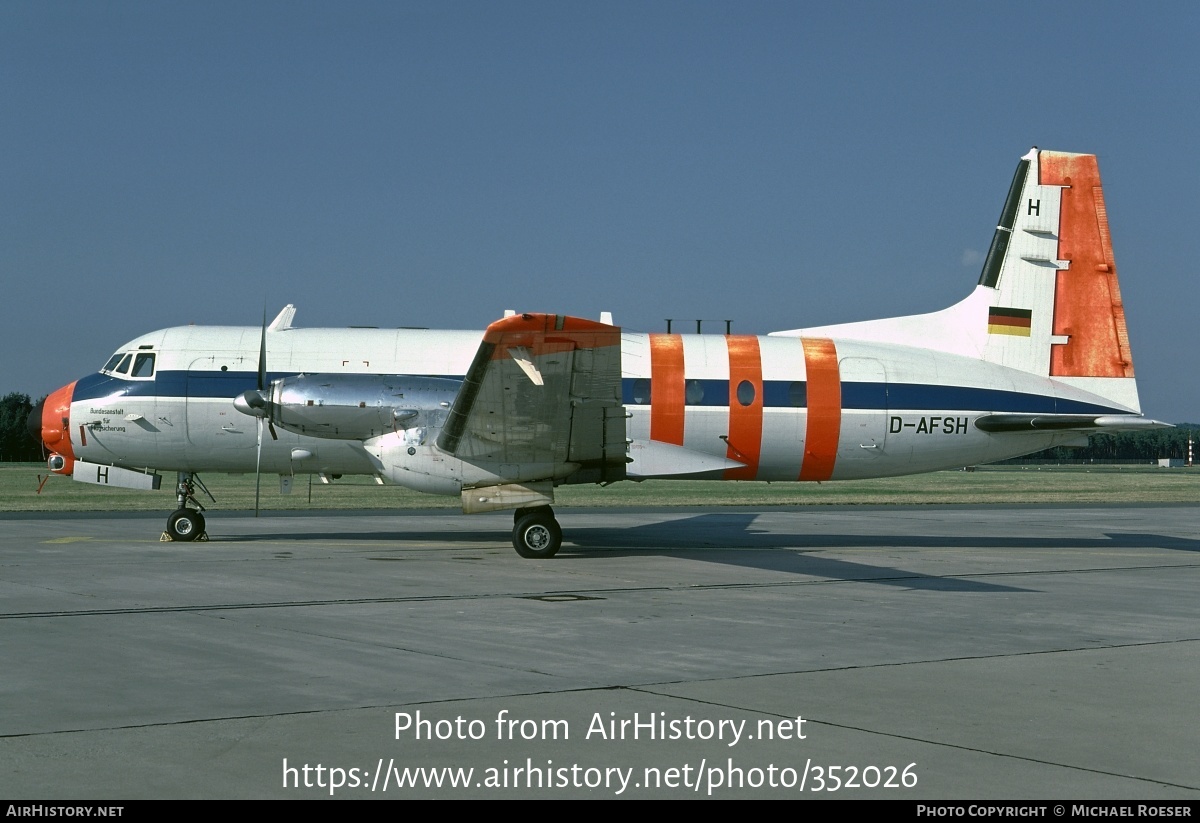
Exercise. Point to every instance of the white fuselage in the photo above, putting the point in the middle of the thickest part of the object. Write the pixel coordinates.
(703, 406)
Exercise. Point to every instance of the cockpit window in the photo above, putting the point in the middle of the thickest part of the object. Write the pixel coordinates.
(143, 365)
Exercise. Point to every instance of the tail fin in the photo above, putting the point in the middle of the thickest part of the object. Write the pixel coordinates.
(1047, 302)
(1056, 307)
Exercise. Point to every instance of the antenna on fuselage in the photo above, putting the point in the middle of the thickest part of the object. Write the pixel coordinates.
(728, 325)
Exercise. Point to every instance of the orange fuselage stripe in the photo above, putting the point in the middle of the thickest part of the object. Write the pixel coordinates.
(666, 388)
(745, 422)
(824, 409)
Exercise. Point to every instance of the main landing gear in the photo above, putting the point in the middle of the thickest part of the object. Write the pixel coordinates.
(536, 534)
(185, 523)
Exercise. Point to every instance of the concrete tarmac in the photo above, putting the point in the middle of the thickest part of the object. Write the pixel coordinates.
(890, 652)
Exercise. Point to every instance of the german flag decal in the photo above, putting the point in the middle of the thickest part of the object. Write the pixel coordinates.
(1009, 321)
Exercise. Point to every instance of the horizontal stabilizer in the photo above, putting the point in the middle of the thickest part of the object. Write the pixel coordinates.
(1066, 422)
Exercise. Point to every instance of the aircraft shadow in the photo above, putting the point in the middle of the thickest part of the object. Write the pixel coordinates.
(730, 539)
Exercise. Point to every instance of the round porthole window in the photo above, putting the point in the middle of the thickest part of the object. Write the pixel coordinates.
(745, 392)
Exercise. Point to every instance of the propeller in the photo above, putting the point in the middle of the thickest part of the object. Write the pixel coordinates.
(262, 380)
(254, 402)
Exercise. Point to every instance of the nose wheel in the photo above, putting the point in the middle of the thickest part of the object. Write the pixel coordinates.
(186, 523)
(536, 534)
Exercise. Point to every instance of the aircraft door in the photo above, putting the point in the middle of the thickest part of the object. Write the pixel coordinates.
(215, 429)
(864, 410)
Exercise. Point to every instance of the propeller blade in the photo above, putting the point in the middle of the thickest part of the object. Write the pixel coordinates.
(259, 404)
(258, 467)
(262, 354)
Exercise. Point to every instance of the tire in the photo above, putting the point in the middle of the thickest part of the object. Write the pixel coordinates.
(185, 525)
(537, 535)
(528, 510)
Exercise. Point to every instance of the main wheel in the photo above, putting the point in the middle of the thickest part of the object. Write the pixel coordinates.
(528, 510)
(537, 535)
(185, 525)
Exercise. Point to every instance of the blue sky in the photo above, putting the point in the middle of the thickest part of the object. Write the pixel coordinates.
(432, 164)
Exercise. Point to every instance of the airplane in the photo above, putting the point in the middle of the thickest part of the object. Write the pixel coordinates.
(1037, 355)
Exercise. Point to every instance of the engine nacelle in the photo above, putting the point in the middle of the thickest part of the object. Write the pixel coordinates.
(351, 406)
(409, 458)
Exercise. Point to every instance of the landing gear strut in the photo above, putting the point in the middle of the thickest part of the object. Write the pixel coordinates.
(536, 534)
(185, 523)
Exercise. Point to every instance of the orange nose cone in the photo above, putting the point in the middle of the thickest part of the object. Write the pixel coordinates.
(56, 426)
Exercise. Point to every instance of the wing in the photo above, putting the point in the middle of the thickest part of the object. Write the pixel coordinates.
(543, 389)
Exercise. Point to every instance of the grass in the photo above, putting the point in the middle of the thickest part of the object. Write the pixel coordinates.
(987, 485)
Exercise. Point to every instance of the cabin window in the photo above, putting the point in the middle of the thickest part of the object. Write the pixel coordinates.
(694, 393)
(641, 391)
(745, 392)
(798, 394)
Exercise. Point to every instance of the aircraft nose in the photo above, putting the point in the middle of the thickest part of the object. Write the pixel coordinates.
(52, 421)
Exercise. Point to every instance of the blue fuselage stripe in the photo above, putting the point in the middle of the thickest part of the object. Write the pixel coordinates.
(780, 394)
(784, 394)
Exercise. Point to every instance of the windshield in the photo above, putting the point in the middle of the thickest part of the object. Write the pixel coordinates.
(131, 364)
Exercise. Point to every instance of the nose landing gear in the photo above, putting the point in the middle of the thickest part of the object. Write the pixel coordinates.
(185, 523)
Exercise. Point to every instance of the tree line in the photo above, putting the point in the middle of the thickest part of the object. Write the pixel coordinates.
(15, 443)
(1150, 445)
